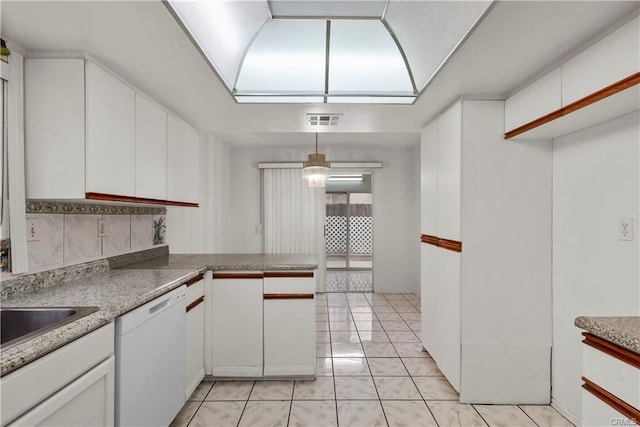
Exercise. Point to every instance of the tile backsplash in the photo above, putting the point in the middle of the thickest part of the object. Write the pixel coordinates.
(70, 238)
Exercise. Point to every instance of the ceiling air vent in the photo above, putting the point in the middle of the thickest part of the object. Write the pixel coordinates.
(323, 119)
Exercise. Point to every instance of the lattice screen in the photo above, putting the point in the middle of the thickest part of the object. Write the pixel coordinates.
(361, 234)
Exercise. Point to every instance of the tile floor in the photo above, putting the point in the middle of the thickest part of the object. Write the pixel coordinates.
(371, 371)
(349, 281)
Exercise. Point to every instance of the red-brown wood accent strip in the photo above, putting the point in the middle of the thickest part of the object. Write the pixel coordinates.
(237, 275)
(612, 349)
(194, 280)
(288, 296)
(616, 403)
(430, 240)
(195, 303)
(612, 89)
(288, 274)
(452, 245)
(130, 199)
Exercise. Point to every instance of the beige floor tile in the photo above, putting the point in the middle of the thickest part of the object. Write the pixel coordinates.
(389, 316)
(409, 349)
(455, 414)
(350, 366)
(340, 317)
(322, 326)
(504, 416)
(342, 326)
(361, 309)
(265, 414)
(321, 388)
(415, 325)
(185, 414)
(353, 388)
(358, 317)
(402, 336)
(317, 413)
(435, 388)
(545, 416)
(361, 414)
(220, 414)
(421, 366)
(322, 317)
(411, 316)
(272, 390)
(323, 337)
(408, 413)
(383, 308)
(345, 337)
(201, 391)
(372, 349)
(324, 367)
(394, 325)
(368, 325)
(347, 350)
(323, 349)
(396, 388)
(230, 390)
(373, 336)
(387, 367)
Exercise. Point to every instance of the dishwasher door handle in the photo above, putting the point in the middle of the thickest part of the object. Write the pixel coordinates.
(166, 303)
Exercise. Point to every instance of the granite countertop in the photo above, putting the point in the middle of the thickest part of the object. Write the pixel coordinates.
(623, 331)
(116, 291)
(229, 262)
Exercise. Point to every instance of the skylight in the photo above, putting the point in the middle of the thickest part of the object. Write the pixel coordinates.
(326, 52)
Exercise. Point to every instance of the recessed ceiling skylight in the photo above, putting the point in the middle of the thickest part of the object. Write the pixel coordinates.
(327, 51)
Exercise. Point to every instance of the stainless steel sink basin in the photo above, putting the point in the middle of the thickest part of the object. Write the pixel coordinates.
(18, 324)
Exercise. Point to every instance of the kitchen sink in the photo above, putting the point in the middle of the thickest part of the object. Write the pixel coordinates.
(19, 324)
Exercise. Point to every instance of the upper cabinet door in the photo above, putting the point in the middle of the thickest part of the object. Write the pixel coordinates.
(110, 126)
(54, 128)
(429, 179)
(151, 150)
(449, 173)
(183, 150)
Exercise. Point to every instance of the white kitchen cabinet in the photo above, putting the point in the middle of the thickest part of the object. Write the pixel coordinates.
(54, 128)
(183, 147)
(73, 385)
(151, 150)
(611, 59)
(487, 257)
(237, 324)
(194, 369)
(289, 324)
(111, 132)
(534, 101)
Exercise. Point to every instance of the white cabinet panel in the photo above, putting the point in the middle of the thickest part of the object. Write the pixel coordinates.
(54, 128)
(615, 376)
(151, 150)
(194, 369)
(429, 179)
(596, 413)
(448, 316)
(183, 176)
(449, 174)
(613, 58)
(428, 295)
(237, 327)
(87, 401)
(110, 143)
(536, 100)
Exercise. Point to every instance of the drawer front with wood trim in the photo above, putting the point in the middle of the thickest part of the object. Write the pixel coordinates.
(289, 324)
(195, 288)
(596, 412)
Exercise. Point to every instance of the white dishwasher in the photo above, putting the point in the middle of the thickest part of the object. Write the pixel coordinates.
(150, 361)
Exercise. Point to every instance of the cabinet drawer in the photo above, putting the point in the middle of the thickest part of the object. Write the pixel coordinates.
(195, 288)
(615, 376)
(299, 282)
(597, 413)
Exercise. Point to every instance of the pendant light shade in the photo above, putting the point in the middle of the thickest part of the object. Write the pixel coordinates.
(316, 169)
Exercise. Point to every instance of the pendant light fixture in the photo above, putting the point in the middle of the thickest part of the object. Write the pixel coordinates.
(316, 169)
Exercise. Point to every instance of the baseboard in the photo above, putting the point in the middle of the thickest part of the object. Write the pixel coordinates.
(237, 371)
(573, 418)
(284, 371)
(191, 387)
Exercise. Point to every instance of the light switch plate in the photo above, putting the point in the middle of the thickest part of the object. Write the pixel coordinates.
(102, 228)
(33, 231)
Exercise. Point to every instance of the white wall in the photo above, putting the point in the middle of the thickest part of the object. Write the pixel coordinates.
(595, 182)
(395, 207)
(206, 228)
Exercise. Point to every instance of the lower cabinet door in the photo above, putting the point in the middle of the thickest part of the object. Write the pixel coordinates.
(194, 369)
(87, 401)
(595, 412)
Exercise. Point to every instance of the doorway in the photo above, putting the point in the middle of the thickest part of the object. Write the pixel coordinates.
(349, 233)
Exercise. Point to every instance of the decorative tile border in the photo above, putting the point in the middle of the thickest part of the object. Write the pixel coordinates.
(54, 207)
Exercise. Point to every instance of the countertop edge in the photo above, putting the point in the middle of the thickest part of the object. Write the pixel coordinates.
(613, 329)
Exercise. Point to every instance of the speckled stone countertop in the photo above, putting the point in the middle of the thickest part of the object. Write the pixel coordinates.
(229, 262)
(623, 331)
(116, 288)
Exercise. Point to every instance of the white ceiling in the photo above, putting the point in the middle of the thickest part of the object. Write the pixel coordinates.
(516, 41)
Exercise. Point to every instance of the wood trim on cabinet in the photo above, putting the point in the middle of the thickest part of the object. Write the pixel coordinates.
(452, 245)
(612, 349)
(288, 274)
(130, 199)
(238, 275)
(195, 303)
(612, 89)
(615, 402)
(289, 296)
(194, 280)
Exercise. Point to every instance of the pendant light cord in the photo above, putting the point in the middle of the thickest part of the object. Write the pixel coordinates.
(316, 142)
